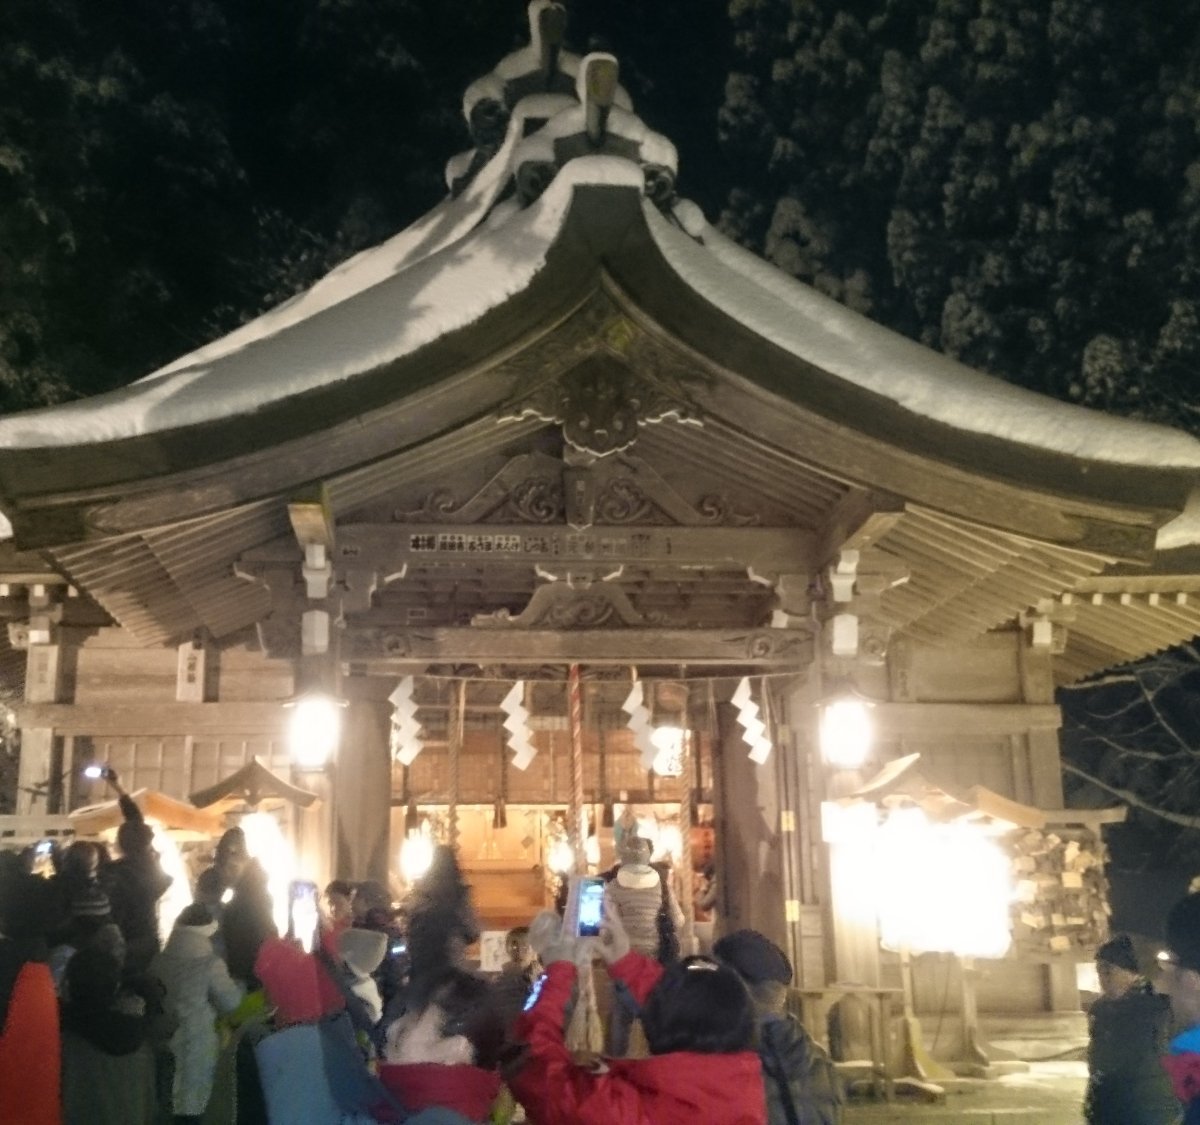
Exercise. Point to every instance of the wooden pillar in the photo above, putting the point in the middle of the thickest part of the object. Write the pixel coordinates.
(1045, 782)
(801, 783)
(1045, 755)
(38, 770)
(362, 791)
(747, 806)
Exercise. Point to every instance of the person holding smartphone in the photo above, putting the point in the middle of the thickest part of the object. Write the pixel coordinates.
(699, 1023)
(135, 882)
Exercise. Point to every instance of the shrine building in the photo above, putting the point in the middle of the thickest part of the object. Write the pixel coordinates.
(555, 468)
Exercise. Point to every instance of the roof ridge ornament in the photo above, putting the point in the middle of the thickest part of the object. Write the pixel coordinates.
(542, 107)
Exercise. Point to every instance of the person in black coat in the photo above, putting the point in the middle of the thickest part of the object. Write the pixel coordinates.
(247, 922)
(134, 883)
(1129, 1026)
(802, 1086)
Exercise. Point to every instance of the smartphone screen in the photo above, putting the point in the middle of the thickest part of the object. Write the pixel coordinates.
(302, 912)
(591, 907)
(534, 992)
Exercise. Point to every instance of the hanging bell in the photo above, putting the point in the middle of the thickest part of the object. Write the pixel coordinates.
(412, 818)
(499, 814)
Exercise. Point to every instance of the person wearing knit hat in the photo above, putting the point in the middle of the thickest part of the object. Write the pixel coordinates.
(1118, 951)
(799, 1078)
(1128, 1027)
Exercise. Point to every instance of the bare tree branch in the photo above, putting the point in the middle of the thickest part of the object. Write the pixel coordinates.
(1133, 799)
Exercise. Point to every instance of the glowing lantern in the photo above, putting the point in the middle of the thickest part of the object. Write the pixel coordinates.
(668, 744)
(942, 888)
(846, 733)
(314, 730)
(416, 855)
(561, 858)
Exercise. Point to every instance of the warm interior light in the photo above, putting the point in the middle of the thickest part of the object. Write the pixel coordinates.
(266, 842)
(561, 857)
(416, 854)
(313, 732)
(178, 894)
(846, 733)
(942, 888)
(670, 843)
(668, 741)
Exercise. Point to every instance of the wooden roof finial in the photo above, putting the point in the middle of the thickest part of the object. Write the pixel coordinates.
(547, 31)
(599, 76)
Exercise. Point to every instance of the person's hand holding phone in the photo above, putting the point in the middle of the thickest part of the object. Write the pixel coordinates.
(613, 943)
(548, 941)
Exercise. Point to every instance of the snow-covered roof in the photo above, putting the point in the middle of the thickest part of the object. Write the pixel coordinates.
(1184, 529)
(511, 198)
(931, 385)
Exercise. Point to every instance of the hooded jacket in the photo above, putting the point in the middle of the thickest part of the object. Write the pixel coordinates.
(680, 1088)
(802, 1084)
(199, 988)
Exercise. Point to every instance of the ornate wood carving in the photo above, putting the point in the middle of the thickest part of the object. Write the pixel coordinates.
(601, 402)
(564, 605)
(537, 489)
(528, 489)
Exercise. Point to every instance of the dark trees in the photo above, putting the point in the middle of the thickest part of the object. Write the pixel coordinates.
(169, 169)
(1014, 183)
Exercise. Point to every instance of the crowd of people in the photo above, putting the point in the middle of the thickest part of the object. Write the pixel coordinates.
(376, 1015)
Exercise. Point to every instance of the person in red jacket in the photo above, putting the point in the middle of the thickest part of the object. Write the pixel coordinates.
(699, 1023)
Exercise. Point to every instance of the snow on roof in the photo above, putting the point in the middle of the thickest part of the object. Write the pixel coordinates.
(931, 385)
(480, 247)
(1184, 529)
(437, 294)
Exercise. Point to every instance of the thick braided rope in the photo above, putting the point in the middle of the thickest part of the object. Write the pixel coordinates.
(577, 831)
(456, 742)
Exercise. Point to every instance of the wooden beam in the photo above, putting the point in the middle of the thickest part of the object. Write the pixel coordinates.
(387, 547)
(153, 719)
(955, 720)
(312, 518)
(754, 647)
(857, 521)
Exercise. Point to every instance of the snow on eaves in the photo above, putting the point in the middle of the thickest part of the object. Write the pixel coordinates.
(1184, 529)
(449, 221)
(393, 317)
(848, 345)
